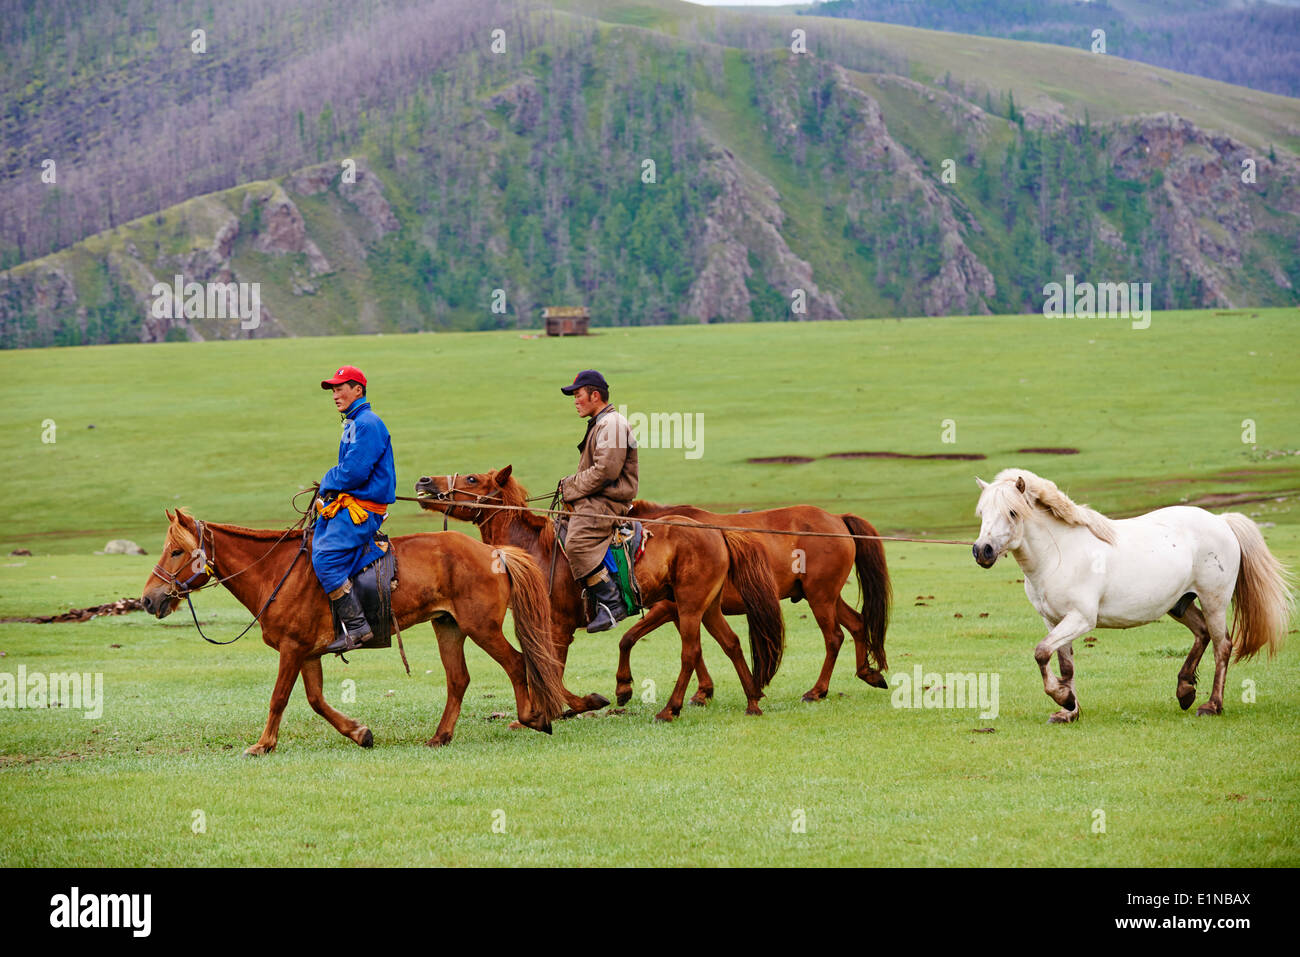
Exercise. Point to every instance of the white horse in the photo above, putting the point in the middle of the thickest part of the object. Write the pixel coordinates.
(1085, 571)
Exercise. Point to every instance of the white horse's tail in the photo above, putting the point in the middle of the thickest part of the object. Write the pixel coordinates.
(1263, 598)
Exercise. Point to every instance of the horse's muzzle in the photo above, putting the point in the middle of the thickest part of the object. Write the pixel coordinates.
(427, 487)
(984, 556)
(160, 604)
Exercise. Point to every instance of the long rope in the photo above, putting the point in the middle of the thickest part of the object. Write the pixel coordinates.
(721, 528)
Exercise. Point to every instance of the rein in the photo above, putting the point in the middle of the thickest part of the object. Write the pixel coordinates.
(184, 589)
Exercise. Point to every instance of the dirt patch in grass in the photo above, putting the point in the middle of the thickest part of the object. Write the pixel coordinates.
(1063, 450)
(804, 459)
(122, 606)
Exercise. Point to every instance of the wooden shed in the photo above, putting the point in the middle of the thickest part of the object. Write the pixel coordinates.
(566, 320)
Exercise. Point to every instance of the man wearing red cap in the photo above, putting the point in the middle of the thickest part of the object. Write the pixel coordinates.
(603, 487)
(352, 504)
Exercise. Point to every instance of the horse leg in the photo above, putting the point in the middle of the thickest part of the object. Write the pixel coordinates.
(291, 656)
(1065, 660)
(1216, 620)
(451, 649)
(827, 615)
(851, 620)
(1194, 621)
(703, 682)
(660, 613)
(716, 622)
(592, 702)
(1072, 626)
(493, 641)
(689, 626)
(312, 683)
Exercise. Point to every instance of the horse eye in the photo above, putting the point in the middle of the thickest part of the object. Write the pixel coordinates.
(1013, 513)
(472, 480)
(177, 554)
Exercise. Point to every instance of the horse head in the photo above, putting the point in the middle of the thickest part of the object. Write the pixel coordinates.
(459, 496)
(182, 567)
(1002, 508)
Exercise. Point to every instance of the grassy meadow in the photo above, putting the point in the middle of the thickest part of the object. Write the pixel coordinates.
(233, 429)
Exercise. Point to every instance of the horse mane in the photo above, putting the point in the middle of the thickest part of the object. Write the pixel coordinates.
(1044, 492)
(513, 493)
(185, 538)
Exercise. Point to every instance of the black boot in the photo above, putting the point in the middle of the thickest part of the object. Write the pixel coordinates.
(356, 630)
(609, 605)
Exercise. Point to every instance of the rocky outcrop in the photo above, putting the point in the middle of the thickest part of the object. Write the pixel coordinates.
(746, 217)
(283, 230)
(1205, 202)
(962, 283)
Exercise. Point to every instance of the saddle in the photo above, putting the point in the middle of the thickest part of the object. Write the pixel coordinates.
(373, 586)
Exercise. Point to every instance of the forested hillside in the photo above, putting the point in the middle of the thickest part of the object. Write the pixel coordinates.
(403, 166)
(1253, 44)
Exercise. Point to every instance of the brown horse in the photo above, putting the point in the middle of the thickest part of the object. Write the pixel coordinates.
(814, 567)
(690, 563)
(462, 585)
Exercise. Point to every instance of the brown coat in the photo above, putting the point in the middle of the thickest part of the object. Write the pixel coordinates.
(604, 486)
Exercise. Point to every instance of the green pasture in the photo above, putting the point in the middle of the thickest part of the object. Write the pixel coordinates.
(232, 429)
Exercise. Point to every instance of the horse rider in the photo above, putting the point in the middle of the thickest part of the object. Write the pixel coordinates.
(601, 491)
(353, 502)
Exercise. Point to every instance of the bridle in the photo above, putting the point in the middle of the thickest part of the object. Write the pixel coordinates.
(184, 589)
(449, 496)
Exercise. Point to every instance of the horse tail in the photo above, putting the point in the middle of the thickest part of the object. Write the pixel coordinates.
(1263, 599)
(750, 574)
(873, 581)
(530, 601)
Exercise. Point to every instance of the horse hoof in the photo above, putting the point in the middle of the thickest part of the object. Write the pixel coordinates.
(1208, 709)
(514, 726)
(1069, 705)
(1185, 701)
(699, 699)
(1063, 717)
(875, 679)
(439, 740)
(813, 695)
(367, 739)
(623, 697)
(754, 710)
(567, 714)
(256, 751)
(596, 701)
(546, 728)
(664, 716)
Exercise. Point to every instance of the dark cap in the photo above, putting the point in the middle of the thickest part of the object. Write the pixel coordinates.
(345, 374)
(587, 377)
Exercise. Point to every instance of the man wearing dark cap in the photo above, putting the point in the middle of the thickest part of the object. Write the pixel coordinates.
(599, 492)
(352, 504)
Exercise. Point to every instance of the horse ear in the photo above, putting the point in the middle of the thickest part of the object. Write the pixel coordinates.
(168, 513)
(503, 476)
(1020, 483)
(981, 483)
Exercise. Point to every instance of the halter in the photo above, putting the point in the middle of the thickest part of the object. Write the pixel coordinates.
(184, 589)
(181, 589)
(448, 496)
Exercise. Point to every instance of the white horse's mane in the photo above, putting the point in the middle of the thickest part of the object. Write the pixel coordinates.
(1041, 491)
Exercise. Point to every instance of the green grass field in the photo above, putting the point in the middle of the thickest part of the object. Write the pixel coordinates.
(232, 429)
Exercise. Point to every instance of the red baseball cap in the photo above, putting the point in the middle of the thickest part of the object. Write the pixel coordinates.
(345, 374)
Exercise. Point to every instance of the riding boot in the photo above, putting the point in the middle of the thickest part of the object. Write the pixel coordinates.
(608, 600)
(356, 630)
